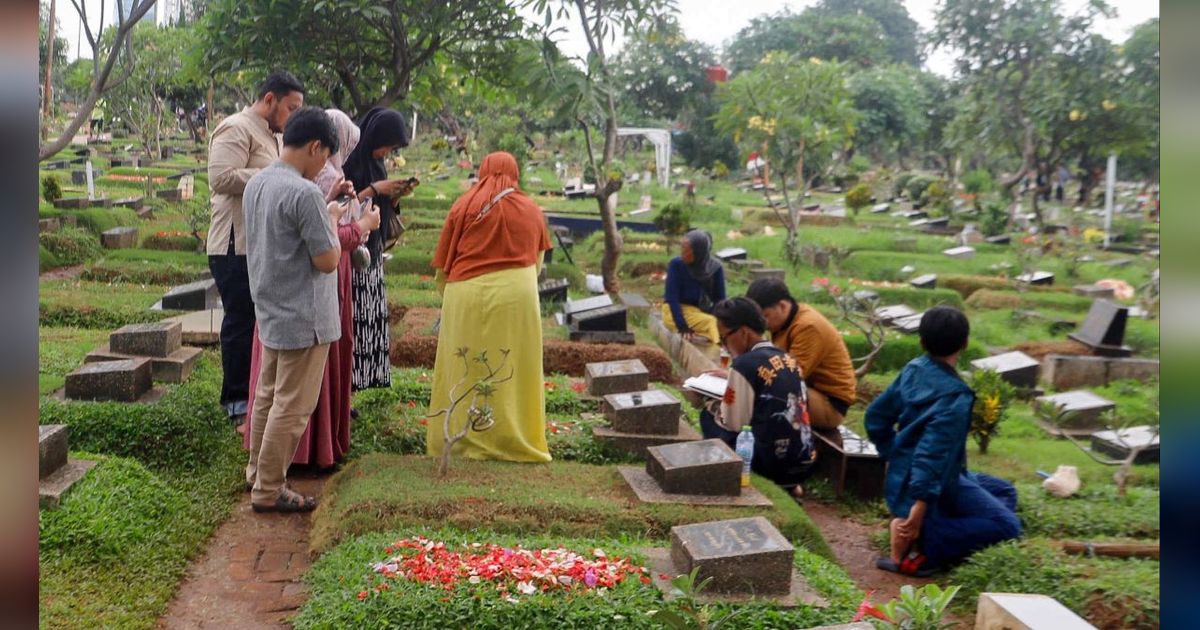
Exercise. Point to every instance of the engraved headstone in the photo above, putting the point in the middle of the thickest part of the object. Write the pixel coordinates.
(707, 467)
(1104, 329)
(894, 312)
(744, 555)
(1119, 443)
(574, 307)
(553, 290)
(614, 377)
(649, 412)
(1017, 368)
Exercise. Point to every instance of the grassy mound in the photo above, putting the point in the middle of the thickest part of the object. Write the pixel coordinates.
(341, 575)
(386, 492)
(98, 304)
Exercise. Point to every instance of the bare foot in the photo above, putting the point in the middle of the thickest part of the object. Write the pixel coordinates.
(900, 544)
(798, 491)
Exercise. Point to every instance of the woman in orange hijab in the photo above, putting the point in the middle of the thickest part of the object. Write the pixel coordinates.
(487, 260)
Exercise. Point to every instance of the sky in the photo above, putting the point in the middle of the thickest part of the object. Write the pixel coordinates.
(714, 22)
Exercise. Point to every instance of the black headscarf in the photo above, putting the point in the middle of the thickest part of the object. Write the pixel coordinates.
(704, 265)
(381, 127)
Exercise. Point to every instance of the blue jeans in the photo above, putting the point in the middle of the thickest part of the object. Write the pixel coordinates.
(981, 513)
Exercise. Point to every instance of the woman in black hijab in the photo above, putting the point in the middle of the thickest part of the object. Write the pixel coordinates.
(383, 131)
(695, 282)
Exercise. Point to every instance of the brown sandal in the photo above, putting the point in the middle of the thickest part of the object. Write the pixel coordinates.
(288, 501)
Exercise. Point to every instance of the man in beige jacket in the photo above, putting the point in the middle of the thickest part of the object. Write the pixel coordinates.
(241, 146)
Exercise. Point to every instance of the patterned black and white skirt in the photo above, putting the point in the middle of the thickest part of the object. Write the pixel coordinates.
(372, 367)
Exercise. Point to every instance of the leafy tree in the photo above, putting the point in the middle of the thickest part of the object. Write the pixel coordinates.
(661, 71)
(852, 38)
(699, 142)
(1139, 65)
(797, 111)
(901, 32)
(591, 97)
(105, 55)
(373, 63)
(1008, 56)
(60, 45)
(893, 105)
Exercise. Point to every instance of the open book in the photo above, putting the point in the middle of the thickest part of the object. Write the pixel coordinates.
(707, 385)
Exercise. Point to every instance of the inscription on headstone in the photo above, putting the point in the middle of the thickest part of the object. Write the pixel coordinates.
(745, 555)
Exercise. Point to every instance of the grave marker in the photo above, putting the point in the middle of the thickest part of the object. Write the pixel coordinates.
(119, 238)
(1017, 368)
(158, 339)
(731, 253)
(999, 239)
(962, 252)
(1039, 278)
(1019, 611)
(123, 381)
(1119, 443)
(894, 312)
(194, 296)
(553, 291)
(762, 274)
(56, 471)
(850, 462)
(649, 412)
(1104, 329)
(614, 377)
(744, 555)
(1093, 291)
(910, 324)
(927, 281)
(1083, 408)
(611, 318)
(707, 467)
(880, 208)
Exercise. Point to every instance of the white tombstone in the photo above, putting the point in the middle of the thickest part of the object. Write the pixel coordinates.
(963, 252)
(91, 182)
(1021, 611)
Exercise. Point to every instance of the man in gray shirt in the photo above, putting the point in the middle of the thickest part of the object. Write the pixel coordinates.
(292, 259)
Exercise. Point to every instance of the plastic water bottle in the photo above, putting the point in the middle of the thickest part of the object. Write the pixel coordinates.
(745, 450)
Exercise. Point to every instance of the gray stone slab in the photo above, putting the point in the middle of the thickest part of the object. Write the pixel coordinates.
(622, 337)
(124, 381)
(663, 569)
(910, 324)
(1020, 611)
(1119, 443)
(173, 368)
(1084, 409)
(201, 328)
(880, 208)
(1093, 291)
(731, 253)
(999, 239)
(894, 312)
(1132, 368)
(614, 318)
(157, 339)
(574, 307)
(1017, 368)
(649, 412)
(637, 443)
(1104, 329)
(615, 377)
(914, 214)
(707, 467)
(51, 224)
(743, 555)
(761, 274)
(52, 448)
(740, 263)
(72, 203)
(648, 491)
(52, 488)
(635, 301)
(553, 291)
(193, 296)
(1040, 278)
(119, 238)
(964, 252)
(927, 281)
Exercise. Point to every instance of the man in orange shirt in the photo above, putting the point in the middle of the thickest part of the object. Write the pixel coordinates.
(816, 345)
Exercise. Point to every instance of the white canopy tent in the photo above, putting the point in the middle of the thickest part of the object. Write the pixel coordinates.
(662, 149)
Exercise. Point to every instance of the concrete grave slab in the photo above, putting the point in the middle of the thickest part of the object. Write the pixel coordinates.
(927, 281)
(648, 491)
(744, 555)
(173, 368)
(125, 380)
(1020, 611)
(1119, 443)
(1104, 329)
(963, 252)
(1085, 409)
(157, 339)
(1015, 367)
(119, 238)
(201, 328)
(707, 467)
(649, 412)
(637, 443)
(615, 377)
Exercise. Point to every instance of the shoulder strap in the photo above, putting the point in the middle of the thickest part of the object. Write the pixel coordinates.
(488, 208)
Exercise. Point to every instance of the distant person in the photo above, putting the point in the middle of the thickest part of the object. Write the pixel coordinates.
(1064, 176)
(242, 145)
(293, 256)
(326, 441)
(695, 282)
(805, 334)
(765, 391)
(487, 260)
(942, 512)
(383, 131)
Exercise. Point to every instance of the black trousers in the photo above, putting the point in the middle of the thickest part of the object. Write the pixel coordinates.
(237, 328)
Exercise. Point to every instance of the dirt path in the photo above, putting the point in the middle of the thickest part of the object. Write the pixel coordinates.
(62, 273)
(851, 543)
(250, 575)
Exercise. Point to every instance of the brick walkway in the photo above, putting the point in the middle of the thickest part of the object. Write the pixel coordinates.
(250, 575)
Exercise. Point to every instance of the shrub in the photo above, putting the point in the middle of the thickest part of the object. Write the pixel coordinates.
(978, 181)
(859, 164)
(916, 185)
(901, 183)
(672, 220)
(995, 219)
(51, 189)
(993, 395)
(719, 170)
(69, 246)
(936, 195)
(858, 198)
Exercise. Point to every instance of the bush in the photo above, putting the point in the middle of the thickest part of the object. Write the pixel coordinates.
(171, 241)
(936, 195)
(858, 198)
(916, 185)
(719, 170)
(978, 181)
(993, 395)
(69, 246)
(901, 183)
(51, 189)
(995, 219)
(672, 220)
(859, 164)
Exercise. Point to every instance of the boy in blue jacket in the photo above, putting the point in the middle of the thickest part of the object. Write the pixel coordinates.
(919, 426)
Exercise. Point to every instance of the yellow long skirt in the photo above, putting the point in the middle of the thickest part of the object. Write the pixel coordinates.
(700, 322)
(495, 312)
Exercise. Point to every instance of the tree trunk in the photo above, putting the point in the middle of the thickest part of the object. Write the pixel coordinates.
(47, 89)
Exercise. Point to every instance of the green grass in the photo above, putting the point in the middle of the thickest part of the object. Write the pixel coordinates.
(385, 492)
(61, 351)
(98, 304)
(148, 266)
(340, 575)
(113, 553)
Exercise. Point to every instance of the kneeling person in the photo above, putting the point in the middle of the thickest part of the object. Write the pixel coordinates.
(765, 391)
(919, 426)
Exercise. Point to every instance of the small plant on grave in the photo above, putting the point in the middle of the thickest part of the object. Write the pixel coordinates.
(918, 609)
(1056, 415)
(993, 395)
(685, 613)
(197, 215)
(719, 170)
(480, 415)
(673, 221)
(995, 219)
(858, 198)
(936, 196)
(51, 189)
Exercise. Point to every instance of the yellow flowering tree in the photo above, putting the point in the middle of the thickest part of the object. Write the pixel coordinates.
(798, 111)
(993, 395)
